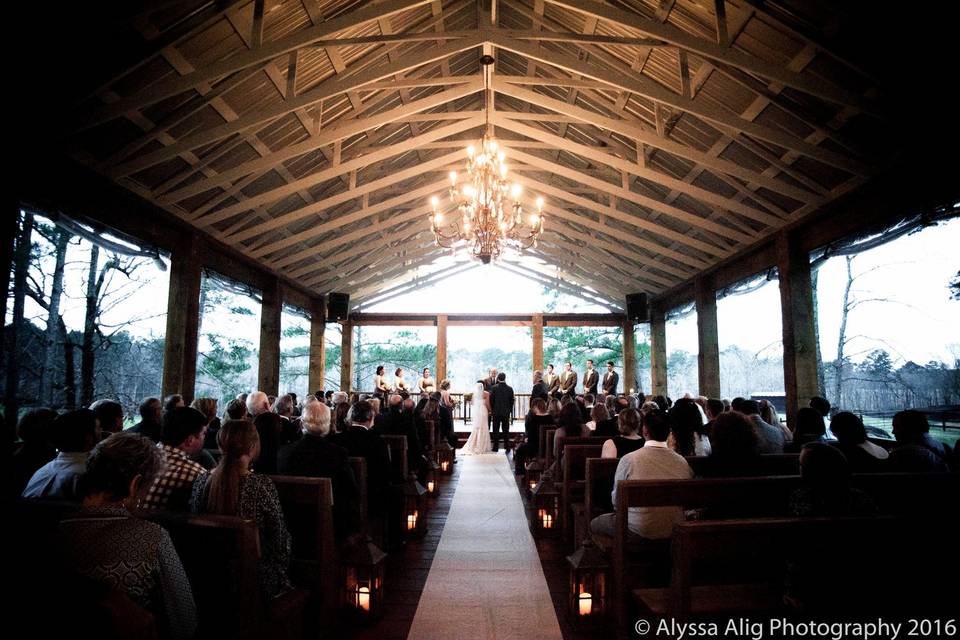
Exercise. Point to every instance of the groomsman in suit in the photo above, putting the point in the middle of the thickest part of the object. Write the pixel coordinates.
(590, 379)
(552, 381)
(610, 380)
(568, 380)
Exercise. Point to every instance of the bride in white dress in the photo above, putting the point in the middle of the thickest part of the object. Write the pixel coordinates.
(479, 440)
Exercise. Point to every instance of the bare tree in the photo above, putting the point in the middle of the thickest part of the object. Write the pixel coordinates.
(21, 265)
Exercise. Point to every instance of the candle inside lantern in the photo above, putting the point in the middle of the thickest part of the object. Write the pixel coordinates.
(430, 486)
(444, 465)
(547, 521)
(412, 521)
(586, 604)
(363, 598)
(533, 483)
(541, 513)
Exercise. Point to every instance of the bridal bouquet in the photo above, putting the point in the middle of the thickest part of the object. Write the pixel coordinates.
(468, 397)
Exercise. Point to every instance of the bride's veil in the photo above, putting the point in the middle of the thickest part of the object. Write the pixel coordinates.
(479, 406)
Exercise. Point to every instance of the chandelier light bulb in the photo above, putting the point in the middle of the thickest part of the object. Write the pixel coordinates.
(434, 201)
(501, 156)
(540, 203)
(438, 217)
(453, 178)
(470, 151)
(469, 191)
(534, 220)
(503, 171)
(516, 190)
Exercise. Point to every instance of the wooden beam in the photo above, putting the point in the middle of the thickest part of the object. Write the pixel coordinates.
(708, 357)
(800, 374)
(327, 89)
(268, 373)
(346, 357)
(183, 320)
(625, 80)
(666, 32)
(318, 352)
(441, 372)
(537, 335)
(658, 351)
(258, 55)
(631, 381)
(637, 131)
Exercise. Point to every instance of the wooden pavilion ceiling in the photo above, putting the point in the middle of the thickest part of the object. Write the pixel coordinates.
(310, 134)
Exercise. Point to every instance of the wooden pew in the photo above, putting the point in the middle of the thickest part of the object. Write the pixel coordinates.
(359, 467)
(846, 575)
(572, 488)
(542, 441)
(219, 555)
(566, 441)
(307, 510)
(397, 444)
(550, 434)
(598, 485)
(771, 464)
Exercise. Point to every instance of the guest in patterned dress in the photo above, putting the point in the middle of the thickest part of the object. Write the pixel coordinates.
(232, 489)
(104, 542)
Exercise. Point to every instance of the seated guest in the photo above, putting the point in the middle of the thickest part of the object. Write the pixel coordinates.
(569, 425)
(539, 386)
(233, 489)
(360, 441)
(327, 398)
(315, 456)
(110, 415)
(105, 542)
(237, 410)
(339, 397)
(181, 436)
(74, 434)
(863, 455)
(446, 420)
(602, 424)
(820, 405)
(649, 406)
(610, 402)
(769, 414)
(687, 435)
(629, 423)
(769, 438)
(269, 427)
(36, 450)
(402, 423)
(826, 489)
(285, 407)
(380, 419)
(648, 526)
(809, 428)
(734, 451)
(663, 402)
(150, 413)
(423, 413)
(537, 416)
(553, 408)
(340, 413)
(208, 407)
(714, 409)
(172, 402)
(916, 450)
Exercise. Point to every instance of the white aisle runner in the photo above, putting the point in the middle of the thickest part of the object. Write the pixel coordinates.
(486, 581)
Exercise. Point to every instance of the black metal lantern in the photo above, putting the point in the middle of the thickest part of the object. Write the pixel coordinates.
(362, 580)
(445, 457)
(430, 478)
(589, 577)
(415, 507)
(545, 508)
(532, 474)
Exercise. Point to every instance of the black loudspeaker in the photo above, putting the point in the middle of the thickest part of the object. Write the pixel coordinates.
(638, 310)
(338, 307)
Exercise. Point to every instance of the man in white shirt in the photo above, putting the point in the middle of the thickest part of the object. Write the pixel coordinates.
(654, 461)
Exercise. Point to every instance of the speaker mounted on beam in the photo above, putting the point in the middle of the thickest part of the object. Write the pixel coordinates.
(638, 308)
(338, 307)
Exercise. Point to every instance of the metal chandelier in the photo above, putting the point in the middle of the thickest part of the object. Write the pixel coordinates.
(490, 211)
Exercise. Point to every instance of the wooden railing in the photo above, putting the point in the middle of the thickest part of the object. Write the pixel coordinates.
(462, 408)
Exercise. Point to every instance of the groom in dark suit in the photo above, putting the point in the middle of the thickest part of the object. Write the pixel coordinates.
(501, 405)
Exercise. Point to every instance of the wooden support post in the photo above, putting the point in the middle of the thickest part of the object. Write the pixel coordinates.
(536, 328)
(183, 320)
(346, 356)
(268, 378)
(441, 372)
(631, 383)
(318, 355)
(799, 334)
(658, 351)
(708, 359)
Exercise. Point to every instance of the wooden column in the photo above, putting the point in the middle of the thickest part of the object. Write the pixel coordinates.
(537, 331)
(708, 359)
(629, 379)
(318, 355)
(268, 378)
(441, 371)
(799, 335)
(346, 356)
(183, 320)
(658, 351)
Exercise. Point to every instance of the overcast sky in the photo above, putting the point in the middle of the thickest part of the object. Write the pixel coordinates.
(918, 321)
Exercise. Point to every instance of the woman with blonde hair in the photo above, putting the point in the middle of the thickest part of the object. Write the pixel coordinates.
(233, 489)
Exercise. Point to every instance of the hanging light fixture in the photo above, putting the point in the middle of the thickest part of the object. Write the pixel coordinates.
(489, 207)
